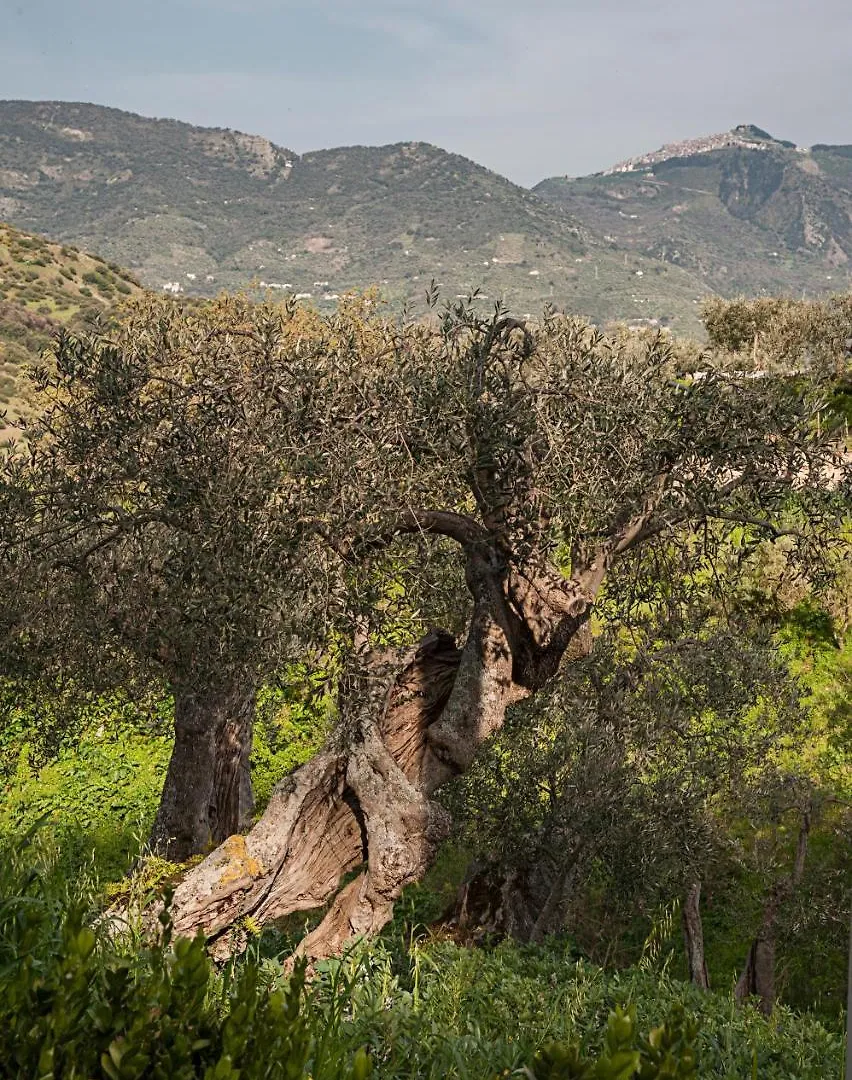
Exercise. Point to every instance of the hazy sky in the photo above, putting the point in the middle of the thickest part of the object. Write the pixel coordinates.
(531, 88)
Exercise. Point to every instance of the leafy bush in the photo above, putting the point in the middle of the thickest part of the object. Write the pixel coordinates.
(668, 1051)
(73, 1003)
(446, 1011)
(78, 999)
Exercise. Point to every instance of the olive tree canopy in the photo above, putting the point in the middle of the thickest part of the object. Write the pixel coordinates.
(151, 520)
(505, 479)
(228, 483)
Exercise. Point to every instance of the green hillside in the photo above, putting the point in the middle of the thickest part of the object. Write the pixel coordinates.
(42, 287)
(196, 210)
(199, 209)
(742, 211)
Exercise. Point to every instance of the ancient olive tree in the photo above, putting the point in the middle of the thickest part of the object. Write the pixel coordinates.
(150, 520)
(500, 478)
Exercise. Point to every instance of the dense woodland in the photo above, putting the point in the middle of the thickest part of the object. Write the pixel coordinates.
(449, 695)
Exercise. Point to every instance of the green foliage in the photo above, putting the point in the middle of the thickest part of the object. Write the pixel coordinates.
(619, 779)
(97, 797)
(80, 999)
(668, 1053)
(292, 721)
(73, 1003)
(96, 791)
(444, 1011)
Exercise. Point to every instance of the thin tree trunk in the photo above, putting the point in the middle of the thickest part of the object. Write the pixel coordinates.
(207, 791)
(693, 936)
(758, 976)
(409, 721)
(556, 901)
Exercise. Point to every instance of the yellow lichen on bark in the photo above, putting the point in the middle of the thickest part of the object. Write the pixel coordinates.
(238, 863)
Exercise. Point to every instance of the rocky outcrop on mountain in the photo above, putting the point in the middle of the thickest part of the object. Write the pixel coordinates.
(745, 212)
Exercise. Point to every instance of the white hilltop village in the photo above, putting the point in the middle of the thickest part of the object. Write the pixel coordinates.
(746, 136)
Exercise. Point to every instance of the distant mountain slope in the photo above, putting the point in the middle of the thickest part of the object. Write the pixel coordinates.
(199, 209)
(744, 212)
(44, 286)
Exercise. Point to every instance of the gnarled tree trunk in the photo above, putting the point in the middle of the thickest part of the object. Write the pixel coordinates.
(409, 721)
(207, 791)
(525, 903)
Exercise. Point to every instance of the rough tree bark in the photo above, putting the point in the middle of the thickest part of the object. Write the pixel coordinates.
(693, 936)
(549, 918)
(409, 721)
(758, 976)
(207, 792)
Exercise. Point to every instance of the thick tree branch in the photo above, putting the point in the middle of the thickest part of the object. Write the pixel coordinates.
(465, 530)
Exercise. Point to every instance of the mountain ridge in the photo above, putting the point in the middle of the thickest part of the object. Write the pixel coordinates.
(195, 209)
(743, 211)
(200, 209)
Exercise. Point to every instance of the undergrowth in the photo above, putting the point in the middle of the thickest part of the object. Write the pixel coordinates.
(79, 999)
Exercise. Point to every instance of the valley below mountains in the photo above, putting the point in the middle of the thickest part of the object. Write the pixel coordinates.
(195, 210)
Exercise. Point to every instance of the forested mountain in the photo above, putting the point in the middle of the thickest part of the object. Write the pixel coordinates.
(744, 212)
(199, 209)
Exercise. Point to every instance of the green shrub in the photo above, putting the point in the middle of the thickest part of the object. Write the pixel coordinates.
(445, 1011)
(667, 1052)
(73, 1003)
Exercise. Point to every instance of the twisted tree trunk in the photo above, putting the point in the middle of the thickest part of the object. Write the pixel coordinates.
(409, 721)
(207, 792)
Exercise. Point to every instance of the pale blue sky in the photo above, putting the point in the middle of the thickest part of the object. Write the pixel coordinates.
(531, 88)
